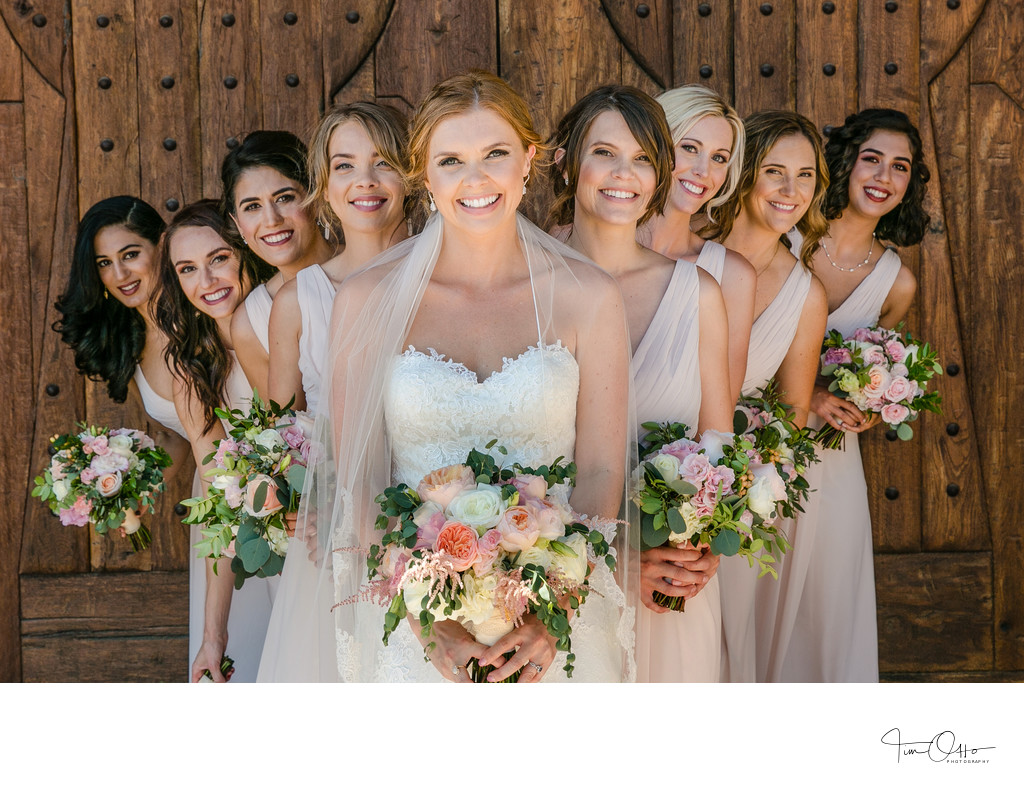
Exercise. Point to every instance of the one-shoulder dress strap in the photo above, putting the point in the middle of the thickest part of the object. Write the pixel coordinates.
(864, 304)
(712, 259)
(257, 306)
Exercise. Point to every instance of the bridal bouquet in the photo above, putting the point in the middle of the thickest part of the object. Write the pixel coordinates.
(103, 477)
(260, 470)
(881, 371)
(485, 545)
(718, 491)
(768, 423)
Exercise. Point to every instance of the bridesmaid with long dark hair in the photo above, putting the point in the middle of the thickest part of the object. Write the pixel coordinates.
(266, 183)
(613, 170)
(204, 277)
(826, 628)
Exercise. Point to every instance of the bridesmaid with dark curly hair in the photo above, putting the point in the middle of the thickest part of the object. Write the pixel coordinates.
(825, 628)
(204, 277)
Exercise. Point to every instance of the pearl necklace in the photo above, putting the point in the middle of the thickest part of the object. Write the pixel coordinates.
(871, 249)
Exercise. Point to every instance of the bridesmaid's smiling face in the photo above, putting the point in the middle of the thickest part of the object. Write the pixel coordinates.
(785, 185)
(616, 176)
(208, 270)
(364, 191)
(476, 166)
(125, 263)
(880, 175)
(702, 163)
(271, 219)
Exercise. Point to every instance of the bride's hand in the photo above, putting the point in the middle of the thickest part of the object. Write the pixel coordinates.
(534, 652)
(676, 572)
(453, 648)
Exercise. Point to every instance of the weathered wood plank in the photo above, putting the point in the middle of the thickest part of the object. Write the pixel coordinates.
(890, 56)
(702, 40)
(161, 596)
(292, 64)
(997, 386)
(349, 34)
(231, 100)
(105, 659)
(168, 88)
(826, 62)
(38, 28)
(10, 58)
(430, 40)
(764, 56)
(361, 86)
(935, 611)
(944, 31)
(996, 47)
(893, 465)
(16, 392)
(645, 29)
(964, 677)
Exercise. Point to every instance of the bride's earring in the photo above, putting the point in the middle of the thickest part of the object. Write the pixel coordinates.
(433, 207)
(524, 183)
(326, 229)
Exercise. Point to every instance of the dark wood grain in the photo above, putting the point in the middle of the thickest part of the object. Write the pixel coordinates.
(43, 46)
(291, 50)
(349, 44)
(826, 41)
(895, 39)
(701, 41)
(770, 41)
(646, 36)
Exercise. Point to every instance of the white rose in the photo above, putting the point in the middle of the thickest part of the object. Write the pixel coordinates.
(109, 463)
(767, 490)
(477, 599)
(667, 466)
(689, 514)
(573, 567)
(60, 489)
(423, 513)
(492, 630)
(712, 442)
(786, 454)
(278, 540)
(270, 439)
(122, 445)
(480, 508)
(414, 592)
(541, 556)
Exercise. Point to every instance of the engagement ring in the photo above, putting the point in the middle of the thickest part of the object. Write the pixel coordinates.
(538, 667)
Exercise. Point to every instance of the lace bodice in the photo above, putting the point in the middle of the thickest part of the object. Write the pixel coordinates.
(436, 410)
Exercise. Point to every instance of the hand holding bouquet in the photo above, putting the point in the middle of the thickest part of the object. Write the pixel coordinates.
(104, 477)
(880, 371)
(717, 491)
(485, 545)
(259, 474)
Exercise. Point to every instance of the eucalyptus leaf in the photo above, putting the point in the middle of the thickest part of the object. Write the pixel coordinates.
(726, 543)
(254, 554)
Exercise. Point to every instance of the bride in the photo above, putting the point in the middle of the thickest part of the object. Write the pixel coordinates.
(481, 328)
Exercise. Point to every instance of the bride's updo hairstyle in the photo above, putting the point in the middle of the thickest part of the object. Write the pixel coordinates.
(388, 130)
(459, 94)
(684, 107)
(906, 223)
(646, 121)
(195, 350)
(763, 131)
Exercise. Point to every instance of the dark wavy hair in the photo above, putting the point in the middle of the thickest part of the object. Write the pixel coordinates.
(282, 151)
(645, 118)
(106, 336)
(195, 351)
(905, 224)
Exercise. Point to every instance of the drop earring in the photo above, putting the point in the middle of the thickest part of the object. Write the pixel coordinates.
(565, 180)
(327, 230)
(433, 207)
(524, 183)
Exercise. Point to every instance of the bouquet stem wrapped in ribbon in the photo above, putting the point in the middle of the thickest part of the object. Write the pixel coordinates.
(880, 371)
(104, 477)
(485, 546)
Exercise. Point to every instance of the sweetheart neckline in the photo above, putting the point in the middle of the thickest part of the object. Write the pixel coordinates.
(506, 362)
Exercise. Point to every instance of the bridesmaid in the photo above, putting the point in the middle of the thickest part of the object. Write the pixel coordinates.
(826, 628)
(265, 187)
(780, 190)
(204, 276)
(106, 313)
(708, 137)
(358, 163)
(613, 170)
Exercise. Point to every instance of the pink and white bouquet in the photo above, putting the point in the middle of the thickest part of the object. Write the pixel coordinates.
(486, 545)
(103, 477)
(258, 478)
(768, 423)
(880, 371)
(717, 492)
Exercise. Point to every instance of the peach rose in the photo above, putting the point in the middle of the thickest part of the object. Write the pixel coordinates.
(458, 542)
(271, 504)
(549, 522)
(109, 484)
(879, 380)
(530, 486)
(443, 485)
(518, 529)
(487, 551)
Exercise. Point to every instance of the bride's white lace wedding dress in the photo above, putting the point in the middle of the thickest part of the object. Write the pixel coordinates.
(436, 411)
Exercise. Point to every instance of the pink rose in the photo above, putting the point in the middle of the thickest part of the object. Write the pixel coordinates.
(789, 470)
(896, 350)
(78, 514)
(899, 390)
(696, 469)
(838, 356)
(57, 468)
(518, 529)
(680, 449)
(864, 335)
(293, 436)
(109, 484)
(442, 486)
(879, 380)
(223, 447)
(873, 355)
(549, 521)
(108, 462)
(271, 504)
(530, 486)
(894, 414)
(459, 543)
(487, 551)
(429, 524)
(88, 475)
(97, 445)
(874, 404)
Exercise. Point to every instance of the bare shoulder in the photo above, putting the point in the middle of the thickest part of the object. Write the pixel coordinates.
(591, 279)
(738, 270)
(710, 292)
(287, 297)
(816, 303)
(904, 287)
(241, 327)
